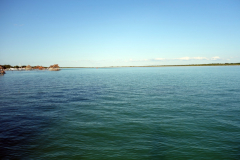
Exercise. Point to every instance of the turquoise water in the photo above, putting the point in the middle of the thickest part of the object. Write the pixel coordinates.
(121, 113)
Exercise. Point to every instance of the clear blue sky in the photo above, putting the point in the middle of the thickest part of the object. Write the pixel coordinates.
(86, 33)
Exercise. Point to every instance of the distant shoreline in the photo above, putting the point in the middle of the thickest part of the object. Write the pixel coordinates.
(187, 65)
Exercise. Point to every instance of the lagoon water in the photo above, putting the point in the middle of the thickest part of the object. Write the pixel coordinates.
(121, 113)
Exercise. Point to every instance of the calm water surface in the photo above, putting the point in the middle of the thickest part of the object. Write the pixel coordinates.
(121, 113)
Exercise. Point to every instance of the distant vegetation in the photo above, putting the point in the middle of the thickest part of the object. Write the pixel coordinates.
(210, 64)
(9, 66)
(6, 66)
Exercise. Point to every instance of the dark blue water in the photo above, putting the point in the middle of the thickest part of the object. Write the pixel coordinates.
(121, 113)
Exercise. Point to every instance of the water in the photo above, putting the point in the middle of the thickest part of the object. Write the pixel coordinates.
(121, 113)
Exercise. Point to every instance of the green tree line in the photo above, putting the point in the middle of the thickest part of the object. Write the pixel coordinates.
(5, 66)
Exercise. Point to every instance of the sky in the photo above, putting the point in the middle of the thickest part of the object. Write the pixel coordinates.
(101, 33)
